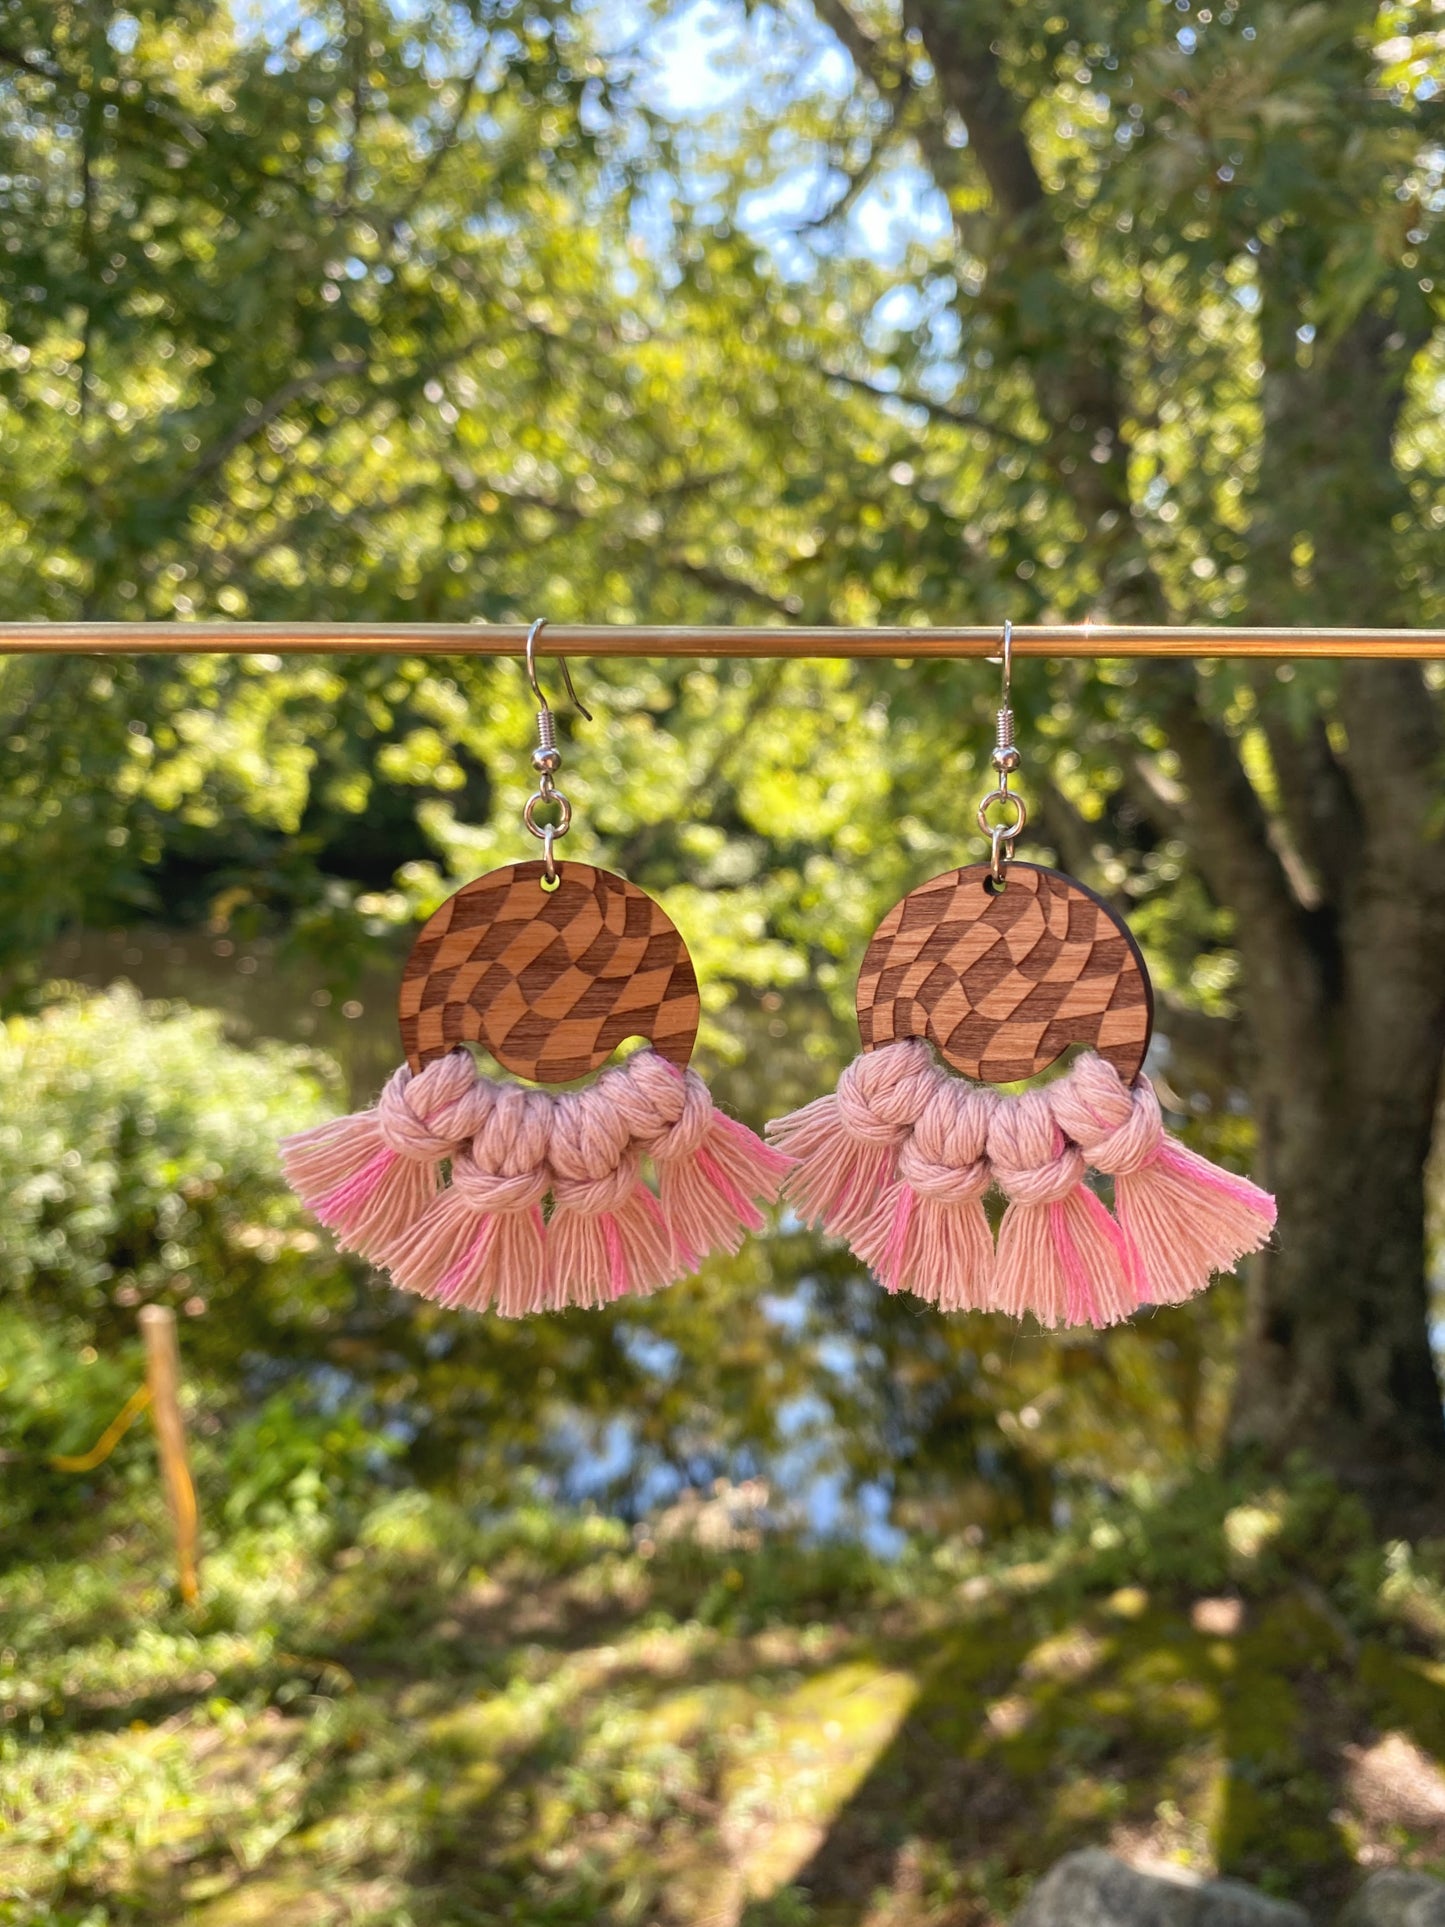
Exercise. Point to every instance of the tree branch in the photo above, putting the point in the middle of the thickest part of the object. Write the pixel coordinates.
(1075, 374)
(855, 182)
(861, 46)
(440, 149)
(1230, 842)
(891, 81)
(937, 411)
(1319, 809)
(1158, 799)
(281, 399)
(32, 64)
(960, 47)
(276, 404)
(721, 583)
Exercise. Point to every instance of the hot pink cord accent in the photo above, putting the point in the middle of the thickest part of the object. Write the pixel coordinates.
(483, 1240)
(897, 1160)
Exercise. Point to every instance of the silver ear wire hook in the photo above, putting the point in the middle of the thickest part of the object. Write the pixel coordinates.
(547, 760)
(542, 704)
(1005, 756)
(1006, 760)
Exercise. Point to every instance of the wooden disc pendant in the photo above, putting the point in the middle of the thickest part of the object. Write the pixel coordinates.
(1002, 982)
(551, 982)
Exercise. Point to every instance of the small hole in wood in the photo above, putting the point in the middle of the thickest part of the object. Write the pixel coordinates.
(549, 884)
(991, 888)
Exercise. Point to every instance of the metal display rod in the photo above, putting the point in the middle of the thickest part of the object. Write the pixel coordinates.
(1086, 639)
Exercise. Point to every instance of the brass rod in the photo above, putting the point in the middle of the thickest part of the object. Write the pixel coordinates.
(624, 639)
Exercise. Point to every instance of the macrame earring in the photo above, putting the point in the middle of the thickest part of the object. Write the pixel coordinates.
(485, 1194)
(1000, 967)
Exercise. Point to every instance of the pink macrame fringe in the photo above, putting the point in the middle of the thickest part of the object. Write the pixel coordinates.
(360, 1190)
(1182, 1217)
(846, 1145)
(598, 1257)
(1061, 1255)
(713, 1197)
(483, 1241)
(495, 1261)
(929, 1234)
(1064, 1262)
(443, 1251)
(1187, 1219)
(369, 1176)
(503, 1268)
(837, 1177)
(940, 1252)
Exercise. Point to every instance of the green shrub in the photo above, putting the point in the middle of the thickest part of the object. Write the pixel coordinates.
(55, 1398)
(138, 1161)
(138, 1164)
(1230, 1531)
(292, 1458)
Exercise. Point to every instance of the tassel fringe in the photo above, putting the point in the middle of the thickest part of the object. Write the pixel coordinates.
(1187, 1219)
(898, 1160)
(447, 1181)
(847, 1144)
(484, 1240)
(371, 1176)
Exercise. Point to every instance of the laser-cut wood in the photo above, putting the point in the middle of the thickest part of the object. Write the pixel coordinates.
(550, 982)
(1002, 984)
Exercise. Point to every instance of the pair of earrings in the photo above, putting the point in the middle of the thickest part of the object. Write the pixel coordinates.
(998, 967)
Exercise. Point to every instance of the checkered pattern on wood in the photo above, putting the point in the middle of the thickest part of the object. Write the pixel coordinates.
(550, 982)
(1003, 984)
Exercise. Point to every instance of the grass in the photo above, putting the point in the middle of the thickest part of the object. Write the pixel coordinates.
(419, 1719)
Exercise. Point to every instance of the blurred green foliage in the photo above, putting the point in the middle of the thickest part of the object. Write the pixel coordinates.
(515, 359)
(444, 313)
(401, 1713)
(139, 1157)
(286, 1460)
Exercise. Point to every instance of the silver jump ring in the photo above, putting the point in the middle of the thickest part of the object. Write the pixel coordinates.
(1009, 830)
(544, 832)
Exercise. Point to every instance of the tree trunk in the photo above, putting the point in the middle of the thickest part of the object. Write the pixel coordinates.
(1335, 1360)
(1348, 1040)
(1338, 889)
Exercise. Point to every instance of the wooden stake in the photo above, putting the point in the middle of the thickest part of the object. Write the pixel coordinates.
(163, 1375)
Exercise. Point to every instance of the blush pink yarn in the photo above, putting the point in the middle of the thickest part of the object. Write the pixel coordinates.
(847, 1143)
(482, 1242)
(898, 1160)
(485, 1241)
(713, 1174)
(929, 1234)
(369, 1176)
(1060, 1254)
(1183, 1218)
(607, 1236)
